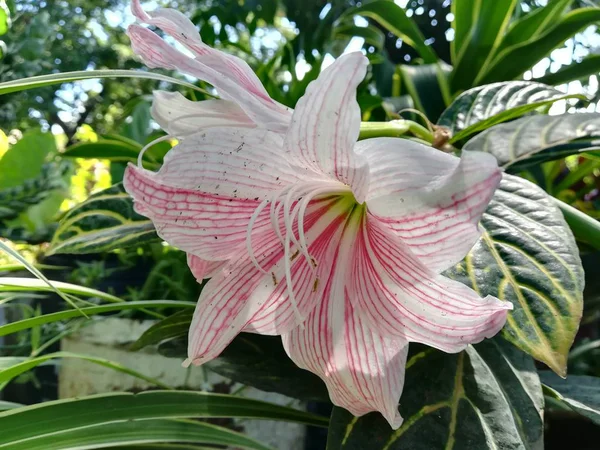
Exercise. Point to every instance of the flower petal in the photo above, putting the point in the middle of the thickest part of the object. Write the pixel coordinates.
(241, 297)
(207, 225)
(431, 200)
(181, 117)
(363, 371)
(232, 77)
(326, 123)
(201, 268)
(399, 296)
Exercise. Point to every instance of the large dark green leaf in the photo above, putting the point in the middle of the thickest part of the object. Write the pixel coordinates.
(590, 65)
(258, 361)
(104, 222)
(393, 18)
(481, 25)
(512, 62)
(578, 392)
(428, 86)
(481, 107)
(528, 256)
(532, 140)
(488, 397)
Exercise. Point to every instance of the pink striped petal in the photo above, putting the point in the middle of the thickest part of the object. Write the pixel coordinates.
(432, 200)
(363, 371)
(181, 117)
(326, 124)
(232, 77)
(207, 225)
(400, 296)
(243, 298)
(202, 269)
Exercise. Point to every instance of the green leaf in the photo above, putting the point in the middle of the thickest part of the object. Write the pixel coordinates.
(61, 421)
(104, 222)
(175, 326)
(8, 405)
(534, 24)
(488, 397)
(114, 150)
(585, 228)
(372, 36)
(532, 140)
(590, 65)
(17, 199)
(393, 18)
(484, 106)
(137, 432)
(24, 160)
(4, 18)
(514, 61)
(258, 361)
(91, 310)
(578, 392)
(527, 256)
(486, 23)
(9, 373)
(67, 77)
(427, 85)
(9, 284)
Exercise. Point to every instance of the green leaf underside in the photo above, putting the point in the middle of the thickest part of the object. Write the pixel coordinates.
(174, 326)
(58, 419)
(578, 392)
(487, 397)
(8, 405)
(527, 255)
(67, 77)
(481, 107)
(258, 361)
(104, 222)
(532, 140)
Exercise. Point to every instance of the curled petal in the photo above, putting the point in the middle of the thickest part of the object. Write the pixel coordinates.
(326, 123)
(400, 296)
(242, 297)
(363, 371)
(181, 117)
(201, 268)
(433, 201)
(232, 77)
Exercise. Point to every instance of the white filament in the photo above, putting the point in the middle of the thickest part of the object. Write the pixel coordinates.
(147, 146)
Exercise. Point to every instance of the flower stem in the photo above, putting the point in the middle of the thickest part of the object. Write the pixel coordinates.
(394, 128)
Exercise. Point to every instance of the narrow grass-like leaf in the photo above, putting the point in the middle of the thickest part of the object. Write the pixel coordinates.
(9, 373)
(13, 284)
(67, 77)
(25, 324)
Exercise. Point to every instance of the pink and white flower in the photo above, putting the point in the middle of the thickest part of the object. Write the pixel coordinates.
(334, 244)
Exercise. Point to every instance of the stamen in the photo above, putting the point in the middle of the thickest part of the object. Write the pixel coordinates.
(249, 228)
(147, 146)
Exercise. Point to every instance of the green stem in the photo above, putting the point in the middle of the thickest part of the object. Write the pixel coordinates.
(585, 228)
(394, 128)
